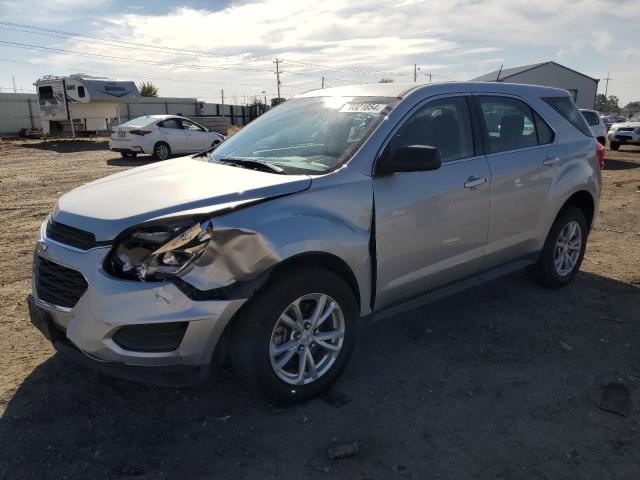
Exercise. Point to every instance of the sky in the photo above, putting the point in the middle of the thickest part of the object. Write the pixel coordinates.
(199, 48)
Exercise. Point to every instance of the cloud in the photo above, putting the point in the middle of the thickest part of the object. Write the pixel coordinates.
(347, 41)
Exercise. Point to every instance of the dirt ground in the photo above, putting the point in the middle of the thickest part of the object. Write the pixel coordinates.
(501, 382)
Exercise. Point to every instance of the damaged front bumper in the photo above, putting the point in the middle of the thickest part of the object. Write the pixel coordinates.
(148, 332)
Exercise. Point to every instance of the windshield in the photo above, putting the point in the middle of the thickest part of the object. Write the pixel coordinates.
(307, 135)
(139, 122)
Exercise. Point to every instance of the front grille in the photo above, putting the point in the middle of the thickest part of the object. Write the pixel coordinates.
(71, 236)
(57, 284)
(625, 129)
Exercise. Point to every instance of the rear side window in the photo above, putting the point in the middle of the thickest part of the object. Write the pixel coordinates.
(545, 134)
(510, 124)
(591, 118)
(565, 107)
(171, 123)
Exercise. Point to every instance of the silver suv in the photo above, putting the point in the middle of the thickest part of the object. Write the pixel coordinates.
(335, 207)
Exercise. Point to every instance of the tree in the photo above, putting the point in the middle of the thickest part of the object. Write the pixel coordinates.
(148, 89)
(385, 80)
(633, 105)
(275, 101)
(610, 104)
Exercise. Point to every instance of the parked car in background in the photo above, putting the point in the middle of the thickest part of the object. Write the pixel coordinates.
(336, 207)
(611, 119)
(596, 125)
(162, 136)
(624, 133)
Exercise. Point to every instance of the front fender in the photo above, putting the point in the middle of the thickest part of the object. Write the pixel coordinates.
(333, 216)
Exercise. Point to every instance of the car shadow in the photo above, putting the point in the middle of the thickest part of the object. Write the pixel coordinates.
(67, 146)
(452, 385)
(614, 164)
(131, 162)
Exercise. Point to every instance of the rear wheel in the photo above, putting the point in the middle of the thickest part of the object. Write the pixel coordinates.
(161, 151)
(563, 250)
(295, 336)
(614, 146)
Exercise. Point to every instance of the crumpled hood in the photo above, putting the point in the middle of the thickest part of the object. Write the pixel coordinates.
(183, 185)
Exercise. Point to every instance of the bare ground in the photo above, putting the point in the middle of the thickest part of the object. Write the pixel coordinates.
(502, 381)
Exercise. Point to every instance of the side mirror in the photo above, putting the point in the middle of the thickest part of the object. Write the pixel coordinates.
(412, 158)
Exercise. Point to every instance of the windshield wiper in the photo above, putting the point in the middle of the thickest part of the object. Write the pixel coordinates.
(253, 163)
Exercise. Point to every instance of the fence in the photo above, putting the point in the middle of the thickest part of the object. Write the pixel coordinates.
(22, 111)
(18, 111)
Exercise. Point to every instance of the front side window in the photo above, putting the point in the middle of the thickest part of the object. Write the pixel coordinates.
(307, 135)
(192, 126)
(444, 124)
(81, 92)
(510, 124)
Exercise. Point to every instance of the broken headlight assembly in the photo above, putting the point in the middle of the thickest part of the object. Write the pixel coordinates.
(159, 251)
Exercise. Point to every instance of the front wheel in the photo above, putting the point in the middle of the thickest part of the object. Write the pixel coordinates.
(161, 151)
(563, 250)
(296, 335)
(128, 154)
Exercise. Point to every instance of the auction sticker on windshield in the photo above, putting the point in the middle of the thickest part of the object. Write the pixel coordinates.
(363, 108)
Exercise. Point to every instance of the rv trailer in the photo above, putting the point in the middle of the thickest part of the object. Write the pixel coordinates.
(80, 104)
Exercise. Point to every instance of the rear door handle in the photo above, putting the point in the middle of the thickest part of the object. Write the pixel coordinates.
(474, 182)
(551, 160)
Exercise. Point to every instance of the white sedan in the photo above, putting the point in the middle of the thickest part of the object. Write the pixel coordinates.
(162, 136)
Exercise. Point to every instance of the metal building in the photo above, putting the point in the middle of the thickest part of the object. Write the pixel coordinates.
(549, 74)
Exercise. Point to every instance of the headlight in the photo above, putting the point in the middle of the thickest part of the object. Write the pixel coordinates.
(636, 131)
(157, 252)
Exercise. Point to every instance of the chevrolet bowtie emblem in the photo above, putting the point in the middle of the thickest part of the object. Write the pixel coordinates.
(41, 246)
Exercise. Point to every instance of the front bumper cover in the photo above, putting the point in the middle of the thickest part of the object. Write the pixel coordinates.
(165, 375)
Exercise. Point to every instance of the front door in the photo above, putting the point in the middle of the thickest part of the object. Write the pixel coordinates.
(431, 227)
(198, 139)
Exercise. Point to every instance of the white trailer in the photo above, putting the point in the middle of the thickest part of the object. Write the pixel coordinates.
(76, 103)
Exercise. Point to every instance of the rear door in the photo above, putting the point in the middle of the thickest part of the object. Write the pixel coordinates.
(431, 227)
(197, 137)
(520, 147)
(172, 132)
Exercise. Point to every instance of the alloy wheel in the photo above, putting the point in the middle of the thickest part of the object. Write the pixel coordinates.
(568, 246)
(307, 339)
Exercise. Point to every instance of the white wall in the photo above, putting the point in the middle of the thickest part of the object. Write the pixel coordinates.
(551, 75)
(15, 114)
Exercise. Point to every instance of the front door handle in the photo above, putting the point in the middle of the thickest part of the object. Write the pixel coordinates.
(474, 182)
(551, 160)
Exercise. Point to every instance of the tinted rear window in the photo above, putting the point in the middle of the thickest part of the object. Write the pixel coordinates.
(591, 118)
(565, 107)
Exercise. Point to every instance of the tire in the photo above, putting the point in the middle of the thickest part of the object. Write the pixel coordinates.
(161, 151)
(547, 272)
(128, 154)
(614, 145)
(259, 329)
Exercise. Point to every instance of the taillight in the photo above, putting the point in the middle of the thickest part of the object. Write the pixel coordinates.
(139, 132)
(600, 154)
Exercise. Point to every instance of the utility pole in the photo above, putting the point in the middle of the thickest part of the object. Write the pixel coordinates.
(15, 90)
(415, 72)
(322, 82)
(606, 85)
(222, 94)
(277, 62)
(428, 75)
